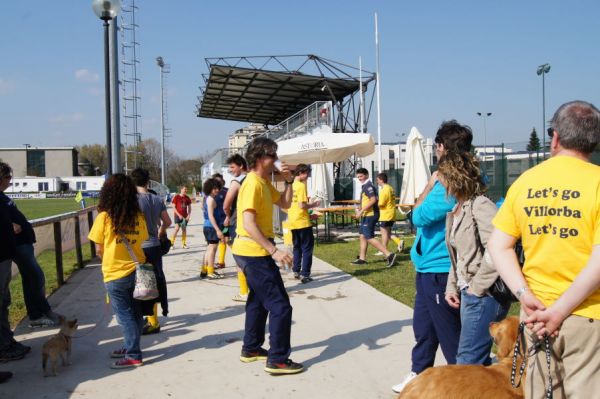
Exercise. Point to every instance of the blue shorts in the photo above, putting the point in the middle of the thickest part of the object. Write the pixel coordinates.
(386, 223)
(211, 235)
(367, 226)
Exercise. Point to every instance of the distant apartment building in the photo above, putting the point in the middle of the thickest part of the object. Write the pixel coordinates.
(41, 161)
(241, 137)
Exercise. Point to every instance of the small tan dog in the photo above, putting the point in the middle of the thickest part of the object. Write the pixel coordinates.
(473, 381)
(59, 346)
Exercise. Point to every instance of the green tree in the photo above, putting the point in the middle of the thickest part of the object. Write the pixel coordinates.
(92, 159)
(534, 141)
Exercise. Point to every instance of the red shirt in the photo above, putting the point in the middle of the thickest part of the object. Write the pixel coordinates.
(181, 202)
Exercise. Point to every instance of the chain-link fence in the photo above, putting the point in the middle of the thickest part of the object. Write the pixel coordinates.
(501, 169)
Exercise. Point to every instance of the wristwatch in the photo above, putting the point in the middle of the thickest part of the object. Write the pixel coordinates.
(520, 291)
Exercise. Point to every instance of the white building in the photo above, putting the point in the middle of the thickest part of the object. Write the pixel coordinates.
(55, 184)
(393, 155)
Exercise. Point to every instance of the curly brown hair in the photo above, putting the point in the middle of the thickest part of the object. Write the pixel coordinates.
(461, 175)
(118, 198)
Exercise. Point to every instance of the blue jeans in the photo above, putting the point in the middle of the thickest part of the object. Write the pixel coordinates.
(304, 242)
(33, 280)
(267, 297)
(129, 315)
(476, 314)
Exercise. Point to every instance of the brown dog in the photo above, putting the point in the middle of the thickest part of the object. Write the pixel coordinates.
(59, 345)
(473, 381)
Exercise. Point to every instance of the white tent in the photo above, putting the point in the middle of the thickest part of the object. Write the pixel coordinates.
(324, 147)
(416, 169)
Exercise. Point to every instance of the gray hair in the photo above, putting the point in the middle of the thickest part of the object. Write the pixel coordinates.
(578, 126)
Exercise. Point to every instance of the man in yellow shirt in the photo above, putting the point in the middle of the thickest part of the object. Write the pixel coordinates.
(368, 212)
(300, 225)
(387, 212)
(255, 252)
(555, 209)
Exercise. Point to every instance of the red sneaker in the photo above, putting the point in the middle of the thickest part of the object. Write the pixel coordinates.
(126, 363)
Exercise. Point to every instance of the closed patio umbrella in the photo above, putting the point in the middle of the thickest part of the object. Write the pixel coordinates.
(416, 169)
(321, 148)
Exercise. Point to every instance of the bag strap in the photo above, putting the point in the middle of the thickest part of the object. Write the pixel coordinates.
(477, 236)
(129, 249)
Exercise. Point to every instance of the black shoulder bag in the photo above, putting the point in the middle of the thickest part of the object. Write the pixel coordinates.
(499, 290)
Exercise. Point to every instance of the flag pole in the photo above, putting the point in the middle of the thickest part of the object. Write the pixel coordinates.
(379, 159)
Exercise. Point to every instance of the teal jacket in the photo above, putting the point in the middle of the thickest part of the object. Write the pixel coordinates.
(429, 253)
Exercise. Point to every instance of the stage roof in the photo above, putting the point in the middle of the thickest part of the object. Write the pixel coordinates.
(266, 96)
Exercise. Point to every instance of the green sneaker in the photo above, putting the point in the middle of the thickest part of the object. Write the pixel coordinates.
(252, 356)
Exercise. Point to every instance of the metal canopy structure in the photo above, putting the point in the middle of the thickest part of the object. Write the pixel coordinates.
(269, 89)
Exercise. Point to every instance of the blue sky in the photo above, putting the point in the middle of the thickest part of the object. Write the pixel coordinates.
(439, 60)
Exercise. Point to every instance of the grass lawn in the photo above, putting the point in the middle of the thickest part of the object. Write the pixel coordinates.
(46, 260)
(39, 208)
(397, 282)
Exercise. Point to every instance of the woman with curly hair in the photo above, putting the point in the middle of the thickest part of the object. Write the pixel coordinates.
(120, 219)
(468, 227)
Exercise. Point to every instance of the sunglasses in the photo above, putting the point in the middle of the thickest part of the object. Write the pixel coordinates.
(271, 155)
(551, 132)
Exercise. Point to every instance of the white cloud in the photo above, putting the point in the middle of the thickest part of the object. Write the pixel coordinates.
(95, 91)
(6, 86)
(67, 119)
(86, 76)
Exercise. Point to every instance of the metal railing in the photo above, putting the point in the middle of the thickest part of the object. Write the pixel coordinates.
(65, 232)
(303, 122)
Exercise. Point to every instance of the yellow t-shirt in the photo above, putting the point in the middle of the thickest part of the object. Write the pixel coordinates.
(116, 261)
(297, 217)
(259, 195)
(555, 209)
(387, 204)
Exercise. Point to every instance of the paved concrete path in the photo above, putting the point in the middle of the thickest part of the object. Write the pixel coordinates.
(354, 341)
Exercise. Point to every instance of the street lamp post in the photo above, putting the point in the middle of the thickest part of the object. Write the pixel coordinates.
(543, 70)
(161, 64)
(484, 115)
(107, 10)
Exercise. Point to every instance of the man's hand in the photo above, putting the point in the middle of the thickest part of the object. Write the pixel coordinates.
(530, 303)
(282, 257)
(315, 203)
(285, 171)
(357, 212)
(545, 322)
(453, 299)
(226, 221)
(17, 228)
(187, 218)
(220, 235)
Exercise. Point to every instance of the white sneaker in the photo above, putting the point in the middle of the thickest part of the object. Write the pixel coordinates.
(401, 246)
(409, 377)
(379, 254)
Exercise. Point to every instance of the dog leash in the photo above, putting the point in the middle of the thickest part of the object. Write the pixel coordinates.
(520, 347)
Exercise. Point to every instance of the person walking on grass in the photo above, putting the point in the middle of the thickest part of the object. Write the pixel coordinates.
(213, 231)
(368, 212)
(32, 276)
(387, 213)
(435, 322)
(119, 231)
(157, 222)
(237, 168)
(255, 251)
(300, 225)
(182, 210)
